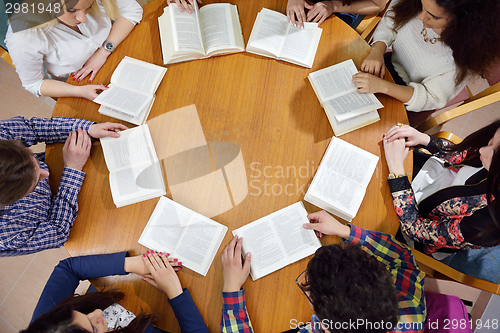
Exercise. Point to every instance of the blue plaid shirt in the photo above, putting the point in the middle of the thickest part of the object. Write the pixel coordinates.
(40, 221)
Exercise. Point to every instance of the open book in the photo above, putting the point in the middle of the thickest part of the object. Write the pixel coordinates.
(130, 95)
(278, 240)
(346, 109)
(188, 236)
(213, 29)
(134, 170)
(273, 36)
(340, 182)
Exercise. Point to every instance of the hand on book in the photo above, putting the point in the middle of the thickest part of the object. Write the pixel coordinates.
(235, 272)
(296, 13)
(76, 150)
(163, 276)
(324, 224)
(89, 91)
(321, 11)
(395, 155)
(102, 130)
(182, 4)
(410, 134)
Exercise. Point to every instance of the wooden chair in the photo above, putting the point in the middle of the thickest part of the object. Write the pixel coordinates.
(437, 269)
(5, 56)
(367, 26)
(484, 98)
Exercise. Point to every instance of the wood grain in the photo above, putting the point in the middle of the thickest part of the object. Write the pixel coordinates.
(268, 108)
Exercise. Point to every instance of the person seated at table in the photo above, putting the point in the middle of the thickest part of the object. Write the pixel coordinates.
(76, 43)
(436, 46)
(452, 203)
(60, 310)
(370, 277)
(349, 11)
(31, 218)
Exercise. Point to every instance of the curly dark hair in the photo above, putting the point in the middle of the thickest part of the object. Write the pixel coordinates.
(345, 283)
(472, 143)
(59, 319)
(473, 33)
(17, 171)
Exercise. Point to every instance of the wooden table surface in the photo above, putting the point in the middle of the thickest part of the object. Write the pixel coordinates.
(266, 107)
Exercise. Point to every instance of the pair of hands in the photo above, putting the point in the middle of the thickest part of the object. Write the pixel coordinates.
(77, 147)
(320, 11)
(157, 269)
(370, 79)
(397, 142)
(235, 271)
(183, 4)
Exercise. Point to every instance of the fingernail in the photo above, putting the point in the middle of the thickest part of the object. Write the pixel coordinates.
(74, 78)
(175, 259)
(143, 280)
(249, 255)
(180, 262)
(106, 86)
(144, 255)
(161, 253)
(79, 80)
(167, 254)
(90, 81)
(148, 251)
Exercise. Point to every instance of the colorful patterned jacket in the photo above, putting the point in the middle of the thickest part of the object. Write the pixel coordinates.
(450, 218)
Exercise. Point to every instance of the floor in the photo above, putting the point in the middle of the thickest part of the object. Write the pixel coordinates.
(22, 278)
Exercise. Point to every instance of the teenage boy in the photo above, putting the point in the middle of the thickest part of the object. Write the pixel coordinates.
(370, 283)
(31, 218)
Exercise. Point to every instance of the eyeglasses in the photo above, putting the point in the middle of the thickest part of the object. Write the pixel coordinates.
(302, 284)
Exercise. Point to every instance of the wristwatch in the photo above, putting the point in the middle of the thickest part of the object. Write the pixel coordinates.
(108, 46)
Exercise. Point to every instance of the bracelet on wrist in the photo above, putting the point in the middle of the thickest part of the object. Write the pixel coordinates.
(392, 175)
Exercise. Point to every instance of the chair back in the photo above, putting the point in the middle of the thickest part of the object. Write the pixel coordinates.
(367, 26)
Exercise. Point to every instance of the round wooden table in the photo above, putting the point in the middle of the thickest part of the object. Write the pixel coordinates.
(269, 109)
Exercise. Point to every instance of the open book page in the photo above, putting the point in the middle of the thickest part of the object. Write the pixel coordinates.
(128, 101)
(186, 29)
(277, 240)
(342, 177)
(300, 45)
(186, 235)
(135, 172)
(268, 33)
(352, 104)
(137, 119)
(334, 80)
(138, 75)
(200, 242)
(218, 29)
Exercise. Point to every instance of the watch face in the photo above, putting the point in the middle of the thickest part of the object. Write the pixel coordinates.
(109, 46)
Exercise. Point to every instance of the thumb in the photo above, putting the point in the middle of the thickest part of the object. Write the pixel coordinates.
(246, 265)
(313, 226)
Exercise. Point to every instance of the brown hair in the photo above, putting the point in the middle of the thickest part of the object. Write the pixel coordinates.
(17, 171)
(60, 318)
(473, 32)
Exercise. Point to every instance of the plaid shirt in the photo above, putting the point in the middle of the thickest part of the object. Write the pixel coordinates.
(408, 280)
(40, 221)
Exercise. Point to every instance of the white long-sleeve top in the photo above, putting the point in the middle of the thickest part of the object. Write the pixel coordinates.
(61, 49)
(428, 68)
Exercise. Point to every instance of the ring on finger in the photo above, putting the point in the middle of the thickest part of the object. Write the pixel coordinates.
(399, 124)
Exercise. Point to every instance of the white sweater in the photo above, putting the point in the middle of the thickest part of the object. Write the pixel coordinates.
(428, 68)
(61, 49)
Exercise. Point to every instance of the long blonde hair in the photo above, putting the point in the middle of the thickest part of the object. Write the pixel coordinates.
(110, 8)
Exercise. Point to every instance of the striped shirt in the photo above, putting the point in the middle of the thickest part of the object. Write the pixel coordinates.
(407, 277)
(40, 221)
